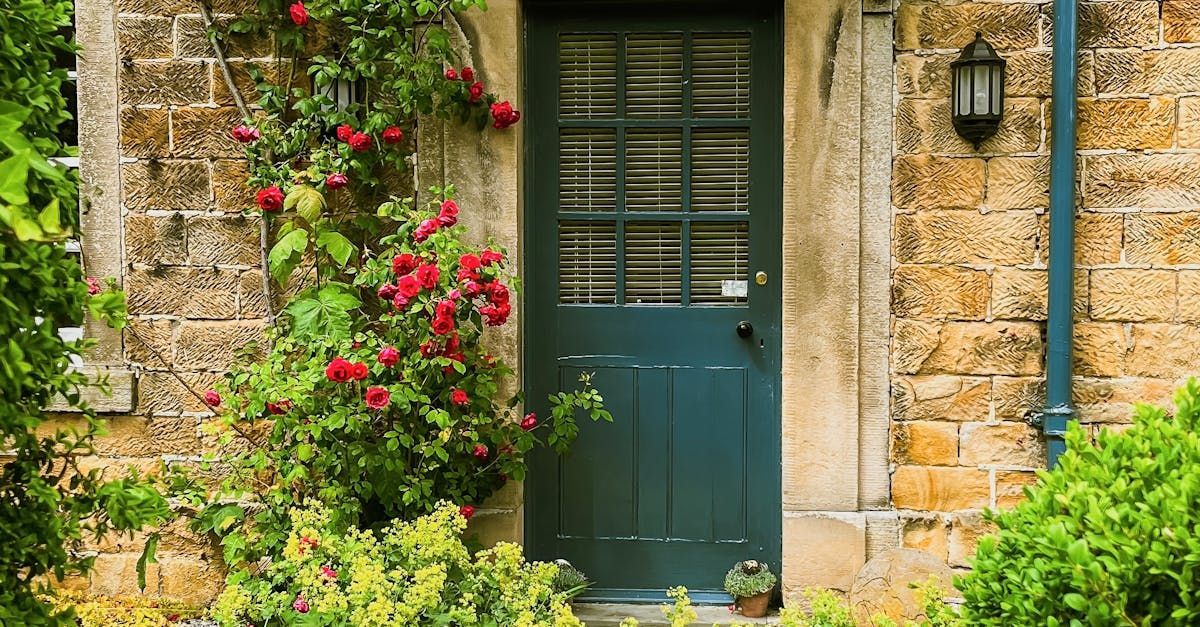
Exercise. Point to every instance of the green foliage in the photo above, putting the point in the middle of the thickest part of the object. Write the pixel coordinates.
(410, 573)
(48, 503)
(1109, 537)
(570, 581)
(749, 578)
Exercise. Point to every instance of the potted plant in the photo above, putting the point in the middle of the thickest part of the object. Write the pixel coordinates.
(750, 583)
(570, 581)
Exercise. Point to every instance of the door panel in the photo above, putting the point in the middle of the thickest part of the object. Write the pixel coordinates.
(654, 199)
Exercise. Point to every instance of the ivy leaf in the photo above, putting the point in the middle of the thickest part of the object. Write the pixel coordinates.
(14, 172)
(325, 313)
(336, 245)
(307, 202)
(286, 253)
(49, 218)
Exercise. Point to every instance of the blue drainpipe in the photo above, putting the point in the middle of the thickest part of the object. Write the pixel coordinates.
(1059, 411)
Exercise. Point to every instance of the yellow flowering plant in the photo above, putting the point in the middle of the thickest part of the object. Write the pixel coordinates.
(415, 572)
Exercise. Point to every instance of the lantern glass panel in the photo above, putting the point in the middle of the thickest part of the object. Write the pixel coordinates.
(997, 89)
(963, 97)
(980, 86)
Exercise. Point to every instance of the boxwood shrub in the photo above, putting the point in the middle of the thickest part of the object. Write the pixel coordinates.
(1109, 537)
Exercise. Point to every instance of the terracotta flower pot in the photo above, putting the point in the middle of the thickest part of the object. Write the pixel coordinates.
(755, 606)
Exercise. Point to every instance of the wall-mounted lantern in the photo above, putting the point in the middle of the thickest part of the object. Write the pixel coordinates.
(977, 79)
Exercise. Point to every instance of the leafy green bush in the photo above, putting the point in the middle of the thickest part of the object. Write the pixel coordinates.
(749, 578)
(47, 503)
(411, 573)
(1109, 537)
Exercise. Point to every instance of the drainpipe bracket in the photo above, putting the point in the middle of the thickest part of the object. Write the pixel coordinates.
(1052, 421)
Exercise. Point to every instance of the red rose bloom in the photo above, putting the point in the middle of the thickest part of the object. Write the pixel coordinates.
(94, 286)
(337, 180)
(212, 399)
(358, 371)
(387, 291)
(345, 132)
(475, 92)
(408, 286)
(496, 315)
(480, 452)
(466, 511)
(451, 75)
(393, 135)
(245, 134)
(300, 605)
(452, 345)
(445, 309)
(400, 301)
(360, 142)
(428, 275)
(328, 572)
(425, 229)
(497, 293)
(468, 74)
(529, 422)
(472, 288)
(465, 274)
(280, 408)
(490, 257)
(469, 262)
(299, 14)
(404, 263)
(389, 356)
(454, 294)
(459, 397)
(504, 115)
(378, 398)
(448, 215)
(443, 325)
(338, 370)
(270, 199)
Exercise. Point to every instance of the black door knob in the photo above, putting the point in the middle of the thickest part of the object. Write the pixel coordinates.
(745, 329)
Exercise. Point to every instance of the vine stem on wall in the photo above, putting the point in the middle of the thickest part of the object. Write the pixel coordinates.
(264, 231)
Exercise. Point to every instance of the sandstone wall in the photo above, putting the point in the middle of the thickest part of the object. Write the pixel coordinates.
(970, 237)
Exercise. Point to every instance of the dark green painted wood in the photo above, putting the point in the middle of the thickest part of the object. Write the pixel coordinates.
(686, 481)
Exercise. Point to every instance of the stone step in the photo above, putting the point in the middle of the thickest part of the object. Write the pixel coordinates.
(611, 614)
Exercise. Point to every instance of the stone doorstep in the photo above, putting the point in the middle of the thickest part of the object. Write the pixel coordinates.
(650, 615)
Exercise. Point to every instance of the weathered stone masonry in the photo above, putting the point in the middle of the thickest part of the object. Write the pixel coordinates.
(969, 246)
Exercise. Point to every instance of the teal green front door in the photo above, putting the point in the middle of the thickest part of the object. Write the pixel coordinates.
(653, 261)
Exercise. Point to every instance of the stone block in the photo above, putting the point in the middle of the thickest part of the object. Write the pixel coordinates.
(1189, 296)
(144, 37)
(966, 237)
(165, 82)
(966, 529)
(1014, 398)
(1181, 21)
(1010, 487)
(1098, 349)
(822, 550)
(162, 393)
(191, 40)
(1119, 24)
(942, 26)
(145, 132)
(925, 443)
(216, 345)
(1004, 348)
(939, 293)
(146, 341)
(1147, 181)
(940, 397)
(229, 185)
(274, 71)
(115, 574)
(117, 394)
(189, 580)
(925, 126)
(912, 342)
(886, 585)
(187, 292)
(1110, 400)
(1126, 123)
(1168, 351)
(1162, 239)
(155, 7)
(203, 132)
(1028, 74)
(942, 489)
(1132, 295)
(1020, 293)
(142, 436)
(928, 533)
(155, 240)
(923, 76)
(493, 526)
(1098, 238)
(1008, 445)
(224, 240)
(166, 184)
(1132, 71)
(928, 182)
(1018, 183)
(1189, 122)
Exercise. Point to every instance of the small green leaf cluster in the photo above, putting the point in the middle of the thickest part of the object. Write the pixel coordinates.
(749, 578)
(1109, 537)
(570, 581)
(408, 573)
(49, 502)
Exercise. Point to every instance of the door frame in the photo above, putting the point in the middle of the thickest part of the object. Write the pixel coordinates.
(535, 302)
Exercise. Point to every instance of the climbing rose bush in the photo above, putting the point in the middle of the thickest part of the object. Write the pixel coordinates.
(410, 573)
